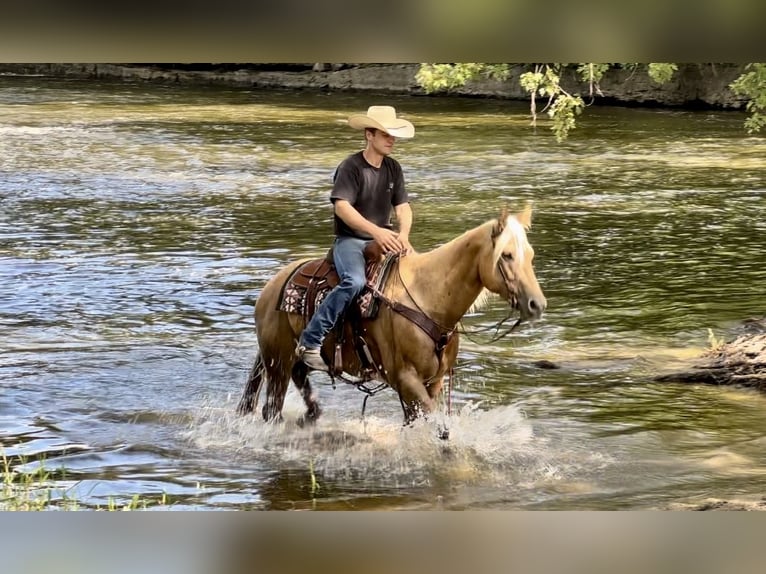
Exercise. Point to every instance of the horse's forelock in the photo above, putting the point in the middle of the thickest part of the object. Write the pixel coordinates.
(512, 230)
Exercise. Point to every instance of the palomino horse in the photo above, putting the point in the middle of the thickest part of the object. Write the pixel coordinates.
(412, 340)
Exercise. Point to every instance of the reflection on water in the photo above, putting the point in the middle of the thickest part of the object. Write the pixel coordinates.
(139, 223)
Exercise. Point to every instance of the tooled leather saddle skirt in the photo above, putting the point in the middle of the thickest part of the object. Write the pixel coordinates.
(307, 287)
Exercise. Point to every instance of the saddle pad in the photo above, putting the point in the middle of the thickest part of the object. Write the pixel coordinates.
(307, 287)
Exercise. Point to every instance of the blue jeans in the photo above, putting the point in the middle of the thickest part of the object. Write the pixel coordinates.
(348, 256)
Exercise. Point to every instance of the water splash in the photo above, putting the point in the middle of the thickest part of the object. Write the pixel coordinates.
(494, 447)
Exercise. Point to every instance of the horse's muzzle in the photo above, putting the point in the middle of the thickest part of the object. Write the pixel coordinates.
(531, 308)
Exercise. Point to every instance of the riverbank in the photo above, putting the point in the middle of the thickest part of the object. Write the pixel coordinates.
(692, 86)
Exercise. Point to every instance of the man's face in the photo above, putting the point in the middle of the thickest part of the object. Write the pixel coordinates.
(381, 142)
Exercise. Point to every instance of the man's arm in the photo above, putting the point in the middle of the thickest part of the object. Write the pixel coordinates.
(404, 218)
(386, 238)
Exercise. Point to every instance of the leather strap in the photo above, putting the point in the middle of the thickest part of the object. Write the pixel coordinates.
(439, 335)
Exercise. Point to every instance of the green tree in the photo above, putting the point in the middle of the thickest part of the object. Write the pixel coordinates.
(544, 81)
(438, 77)
(562, 107)
(752, 85)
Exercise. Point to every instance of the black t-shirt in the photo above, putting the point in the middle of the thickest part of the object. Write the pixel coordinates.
(370, 190)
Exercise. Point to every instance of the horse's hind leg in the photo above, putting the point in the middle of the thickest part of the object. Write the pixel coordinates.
(253, 386)
(277, 378)
(301, 379)
(277, 365)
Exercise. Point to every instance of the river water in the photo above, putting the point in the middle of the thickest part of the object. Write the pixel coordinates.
(139, 223)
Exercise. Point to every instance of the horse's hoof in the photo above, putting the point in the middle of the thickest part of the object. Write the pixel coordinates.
(310, 418)
(443, 434)
(304, 421)
(243, 410)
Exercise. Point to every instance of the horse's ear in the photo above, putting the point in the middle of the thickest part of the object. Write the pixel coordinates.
(525, 217)
(500, 223)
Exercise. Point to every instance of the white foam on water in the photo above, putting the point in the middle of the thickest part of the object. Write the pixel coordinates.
(487, 446)
(41, 130)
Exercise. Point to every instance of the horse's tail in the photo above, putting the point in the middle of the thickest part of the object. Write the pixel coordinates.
(253, 386)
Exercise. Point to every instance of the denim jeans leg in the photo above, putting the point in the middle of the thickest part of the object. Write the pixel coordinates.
(348, 255)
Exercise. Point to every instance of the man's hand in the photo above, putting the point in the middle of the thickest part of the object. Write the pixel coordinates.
(388, 240)
(406, 245)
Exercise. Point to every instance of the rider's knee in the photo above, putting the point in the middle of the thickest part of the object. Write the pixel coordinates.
(354, 284)
(359, 284)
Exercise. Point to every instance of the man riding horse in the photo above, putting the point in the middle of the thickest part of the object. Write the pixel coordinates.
(404, 331)
(367, 185)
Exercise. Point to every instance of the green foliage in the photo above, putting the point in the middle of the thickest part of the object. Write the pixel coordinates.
(532, 81)
(661, 73)
(315, 486)
(544, 81)
(26, 491)
(752, 85)
(438, 77)
(563, 112)
(35, 491)
(562, 107)
(592, 73)
(536, 82)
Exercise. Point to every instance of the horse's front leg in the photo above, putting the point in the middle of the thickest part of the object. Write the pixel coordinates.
(419, 400)
(416, 400)
(434, 390)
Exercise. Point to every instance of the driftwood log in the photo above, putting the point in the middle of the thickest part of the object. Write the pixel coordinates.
(738, 362)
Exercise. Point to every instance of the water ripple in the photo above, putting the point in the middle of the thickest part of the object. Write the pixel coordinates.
(140, 223)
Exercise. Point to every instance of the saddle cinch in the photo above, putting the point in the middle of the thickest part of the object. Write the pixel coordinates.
(307, 287)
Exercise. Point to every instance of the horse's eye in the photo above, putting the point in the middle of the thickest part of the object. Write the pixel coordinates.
(508, 256)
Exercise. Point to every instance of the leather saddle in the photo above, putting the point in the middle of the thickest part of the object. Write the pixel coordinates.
(305, 289)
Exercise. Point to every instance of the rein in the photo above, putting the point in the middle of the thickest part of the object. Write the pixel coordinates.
(512, 303)
(497, 336)
(441, 335)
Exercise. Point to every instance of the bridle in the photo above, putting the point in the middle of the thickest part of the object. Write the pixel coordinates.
(513, 303)
(510, 285)
(447, 332)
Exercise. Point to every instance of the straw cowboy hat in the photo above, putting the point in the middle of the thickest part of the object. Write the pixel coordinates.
(383, 118)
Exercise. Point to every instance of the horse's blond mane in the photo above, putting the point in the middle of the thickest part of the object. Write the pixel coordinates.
(511, 229)
(481, 302)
